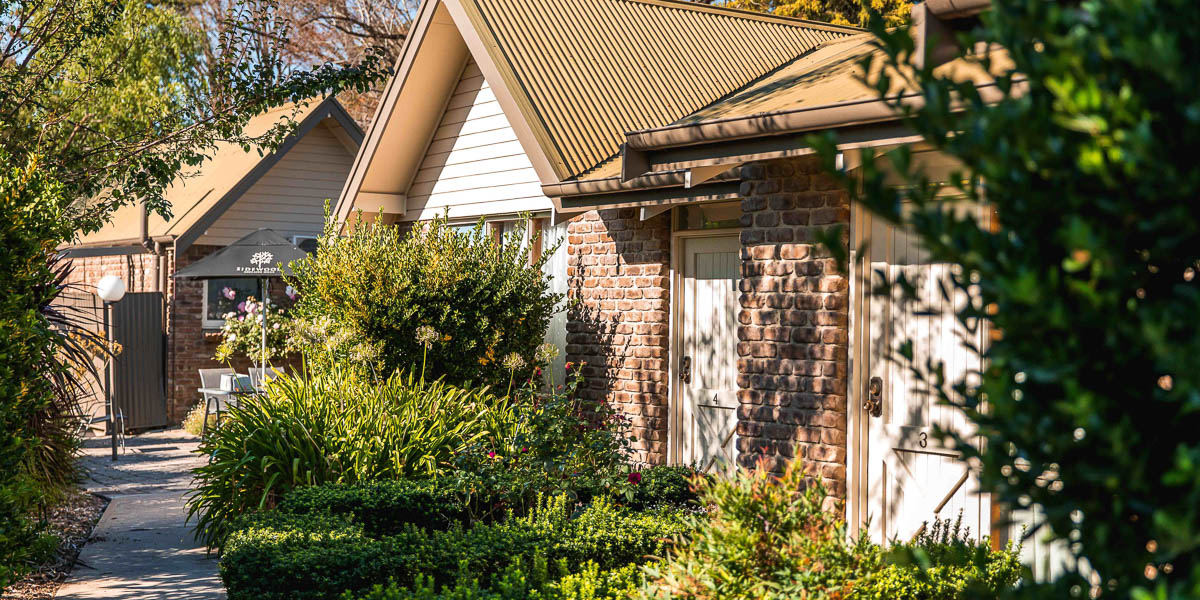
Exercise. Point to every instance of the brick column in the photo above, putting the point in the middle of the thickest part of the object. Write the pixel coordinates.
(618, 282)
(793, 333)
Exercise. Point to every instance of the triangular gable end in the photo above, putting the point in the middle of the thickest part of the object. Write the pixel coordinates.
(571, 83)
(416, 118)
(474, 165)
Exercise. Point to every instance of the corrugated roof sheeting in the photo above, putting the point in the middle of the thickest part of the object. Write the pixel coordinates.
(595, 69)
(830, 75)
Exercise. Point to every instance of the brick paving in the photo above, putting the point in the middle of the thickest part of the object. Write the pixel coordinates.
(155, 461)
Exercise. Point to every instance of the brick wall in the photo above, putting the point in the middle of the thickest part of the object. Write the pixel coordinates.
(618, 268)
(793, 334)
(136, 269)
(188, 350)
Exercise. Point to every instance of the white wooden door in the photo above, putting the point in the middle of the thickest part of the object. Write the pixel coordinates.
(911, 477)
(706, 355)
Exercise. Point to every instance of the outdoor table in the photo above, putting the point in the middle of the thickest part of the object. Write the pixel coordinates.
(210, 392)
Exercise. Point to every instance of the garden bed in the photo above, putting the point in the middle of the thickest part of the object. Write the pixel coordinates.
(72, 521)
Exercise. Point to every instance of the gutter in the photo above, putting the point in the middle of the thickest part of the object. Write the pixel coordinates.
(613, 185)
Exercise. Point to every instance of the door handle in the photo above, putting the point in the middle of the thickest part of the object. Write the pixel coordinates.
(685, 369)
(873, 405)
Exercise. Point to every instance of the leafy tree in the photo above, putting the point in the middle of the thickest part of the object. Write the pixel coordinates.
(104, 102)
(117, 97)
(1087, 273)
(838, 12)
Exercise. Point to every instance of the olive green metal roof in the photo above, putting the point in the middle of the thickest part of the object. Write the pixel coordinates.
(588, 71)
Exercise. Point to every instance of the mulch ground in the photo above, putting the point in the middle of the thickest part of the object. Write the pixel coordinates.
(73, 521)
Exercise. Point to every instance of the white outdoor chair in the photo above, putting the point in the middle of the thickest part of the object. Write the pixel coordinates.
(214, 403)
(260, 377)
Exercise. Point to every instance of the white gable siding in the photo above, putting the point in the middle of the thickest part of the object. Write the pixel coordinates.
(290, 198)
(474, 165)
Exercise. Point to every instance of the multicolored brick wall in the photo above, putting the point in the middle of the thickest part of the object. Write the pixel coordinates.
(618, 269)
(792, 355)
(793, 333)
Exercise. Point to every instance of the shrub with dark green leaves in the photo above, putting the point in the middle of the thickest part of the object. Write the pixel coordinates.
(377, 287)
(1087, 263)
(664, 485)
(336, 427)
(520, 582)
(383, 507)
(41, 350)
(282, 555)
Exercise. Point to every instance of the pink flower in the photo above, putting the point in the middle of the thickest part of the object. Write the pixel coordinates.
(242, 306)
(228, 293)
(524, 449)
(635, 478)
(491, 454)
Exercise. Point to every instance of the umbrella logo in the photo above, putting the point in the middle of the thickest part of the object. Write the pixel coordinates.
(259, 259)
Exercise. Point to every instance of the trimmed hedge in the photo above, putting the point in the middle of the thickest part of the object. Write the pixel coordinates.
(519, 583)
(383, 507)
(280, 555)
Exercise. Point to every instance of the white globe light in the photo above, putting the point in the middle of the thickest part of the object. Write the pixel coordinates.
(110, 288)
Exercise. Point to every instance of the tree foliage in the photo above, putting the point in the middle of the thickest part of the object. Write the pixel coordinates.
(838, 12)
(104, 102)
(1086, 273)
(33, 205)
(117, 97)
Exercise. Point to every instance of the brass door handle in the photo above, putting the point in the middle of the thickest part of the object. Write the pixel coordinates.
(685, 369)
(874, 402)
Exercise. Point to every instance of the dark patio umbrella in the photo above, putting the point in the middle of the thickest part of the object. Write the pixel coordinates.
(261, 254)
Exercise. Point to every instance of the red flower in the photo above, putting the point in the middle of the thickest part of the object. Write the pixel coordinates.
(569, 365)
(635, 478)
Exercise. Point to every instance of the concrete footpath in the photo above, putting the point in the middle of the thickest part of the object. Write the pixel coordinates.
(142, 547)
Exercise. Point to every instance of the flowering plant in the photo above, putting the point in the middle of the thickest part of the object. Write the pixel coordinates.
(241, 335)
(563, 444)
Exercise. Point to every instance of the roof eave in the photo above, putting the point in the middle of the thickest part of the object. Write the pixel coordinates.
(763, 136)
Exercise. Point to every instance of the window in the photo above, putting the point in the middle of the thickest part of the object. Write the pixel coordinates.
(225, 295)
(307, 243)
(716, 215)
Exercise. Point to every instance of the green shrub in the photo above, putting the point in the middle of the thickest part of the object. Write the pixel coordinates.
(386, 507)
(372, 290)
(521, 583)
(279, 556)
(336, 427)
(943, 563)
(43, 349)
(562, 445)
(283, 555)
(766, 538)
(382, 507)
(770, 537)
(665, 485)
